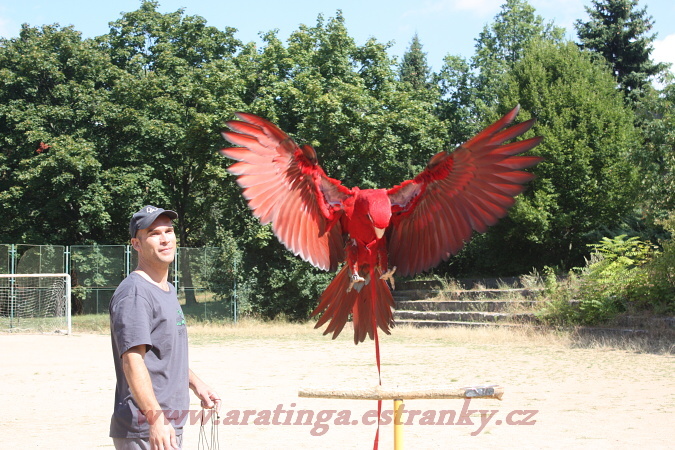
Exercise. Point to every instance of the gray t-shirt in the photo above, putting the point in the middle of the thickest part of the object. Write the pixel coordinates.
(141, 313)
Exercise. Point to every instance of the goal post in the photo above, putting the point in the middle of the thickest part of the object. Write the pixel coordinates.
(35, 302)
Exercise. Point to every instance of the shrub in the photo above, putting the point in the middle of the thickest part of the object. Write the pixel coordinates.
(652, 289)
(558, 309)
(612, 270)
(621, 275)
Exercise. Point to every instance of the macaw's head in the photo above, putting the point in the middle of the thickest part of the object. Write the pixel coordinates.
(375, 205)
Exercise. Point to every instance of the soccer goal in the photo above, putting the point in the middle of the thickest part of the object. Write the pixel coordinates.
(35, 302)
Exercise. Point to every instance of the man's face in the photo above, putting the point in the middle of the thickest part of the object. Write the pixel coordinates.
(157, 243)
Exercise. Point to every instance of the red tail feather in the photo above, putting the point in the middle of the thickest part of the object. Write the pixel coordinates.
(337, 303)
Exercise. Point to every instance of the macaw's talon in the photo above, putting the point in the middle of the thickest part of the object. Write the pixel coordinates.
(389, 276)
(355, 278)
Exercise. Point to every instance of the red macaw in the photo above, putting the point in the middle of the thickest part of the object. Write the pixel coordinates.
(409, 228)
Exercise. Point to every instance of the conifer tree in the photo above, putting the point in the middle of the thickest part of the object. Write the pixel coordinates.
(619, 31)
(414, 68)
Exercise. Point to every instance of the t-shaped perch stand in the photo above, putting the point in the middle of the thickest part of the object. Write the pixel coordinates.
(398, 395)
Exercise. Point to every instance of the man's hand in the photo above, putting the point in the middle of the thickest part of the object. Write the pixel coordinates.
(162, 435)
(210, 399)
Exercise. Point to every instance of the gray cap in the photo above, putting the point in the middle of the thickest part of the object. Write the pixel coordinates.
(146, 216)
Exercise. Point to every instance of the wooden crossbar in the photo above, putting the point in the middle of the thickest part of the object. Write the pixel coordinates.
(380, 393)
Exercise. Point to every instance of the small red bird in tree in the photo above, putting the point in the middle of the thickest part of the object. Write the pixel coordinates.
(42, 147)
(406, 229)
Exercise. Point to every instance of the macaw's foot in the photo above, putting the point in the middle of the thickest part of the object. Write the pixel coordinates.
(356, 278)
(389, 276)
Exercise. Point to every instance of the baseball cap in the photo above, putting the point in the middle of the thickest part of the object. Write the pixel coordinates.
(147, 215)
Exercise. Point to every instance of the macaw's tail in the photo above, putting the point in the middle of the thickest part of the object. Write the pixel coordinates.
(363, 301)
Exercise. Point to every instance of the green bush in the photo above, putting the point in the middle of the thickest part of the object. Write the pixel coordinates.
(622, 275)
(558, 309)
(290, 289)
(652, 289)
(612, 272)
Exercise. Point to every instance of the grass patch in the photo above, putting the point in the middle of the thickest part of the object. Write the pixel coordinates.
(253, 328)
(247, 328)
(91, 323)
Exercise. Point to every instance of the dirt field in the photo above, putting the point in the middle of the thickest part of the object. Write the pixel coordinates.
(58, 390)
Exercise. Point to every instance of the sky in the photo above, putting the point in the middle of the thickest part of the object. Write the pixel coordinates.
(443, 26)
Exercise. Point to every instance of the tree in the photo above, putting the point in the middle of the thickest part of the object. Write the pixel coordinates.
(54, 100)
(656, 118)
(588, 180)
(182, 84)
(619, 32)
(456, 106)
(502, 43)
(414, 68)
(468, 89)
(368, 128)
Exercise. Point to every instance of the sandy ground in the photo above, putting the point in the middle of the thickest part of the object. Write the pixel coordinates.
(58, 393)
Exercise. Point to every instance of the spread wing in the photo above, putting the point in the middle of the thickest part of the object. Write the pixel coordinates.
(285, 185)
(468, 189)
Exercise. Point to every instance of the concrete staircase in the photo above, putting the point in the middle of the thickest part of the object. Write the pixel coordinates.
(487, 303)
(473, 303)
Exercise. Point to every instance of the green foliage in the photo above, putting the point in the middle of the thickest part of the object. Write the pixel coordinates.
(287, 286)
(54, 93)
(656, 119)
(504, 42)
(470, 89)
(559, 308)
(455, 81)
(346, 101)
(612, 270)
(181, 84)
(653, 287)
(587, 180)
(622, 275)
(414, 68)
(618, 31)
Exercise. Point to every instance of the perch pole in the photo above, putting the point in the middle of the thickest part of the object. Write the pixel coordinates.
(398, 395)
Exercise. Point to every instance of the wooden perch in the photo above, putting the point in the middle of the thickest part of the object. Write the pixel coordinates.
(380, 393)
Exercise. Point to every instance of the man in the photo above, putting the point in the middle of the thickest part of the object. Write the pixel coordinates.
(149, 341)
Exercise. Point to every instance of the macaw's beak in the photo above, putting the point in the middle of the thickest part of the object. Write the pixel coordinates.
(379, 232)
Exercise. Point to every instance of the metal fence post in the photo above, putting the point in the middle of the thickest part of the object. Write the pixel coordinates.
(12, 297)
(66, 259)
(176, 266)
(234, 293)
(127, 262)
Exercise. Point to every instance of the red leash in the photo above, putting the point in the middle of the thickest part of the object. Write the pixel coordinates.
(377, 357)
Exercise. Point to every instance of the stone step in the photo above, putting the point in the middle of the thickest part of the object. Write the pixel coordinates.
(415, 294)
(422, 294)
(427, 303)
(455, 305)
(466, 283)
(581, 331)
(452, 323)
(463, 316)
(645, 322)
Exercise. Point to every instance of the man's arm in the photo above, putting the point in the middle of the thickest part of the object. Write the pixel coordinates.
(162, 434)
(208, 396)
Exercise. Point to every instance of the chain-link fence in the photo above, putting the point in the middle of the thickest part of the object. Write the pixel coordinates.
(95, 272)
(203, 277)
